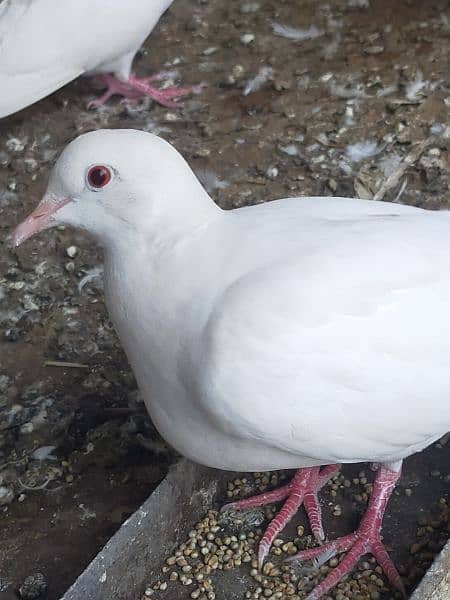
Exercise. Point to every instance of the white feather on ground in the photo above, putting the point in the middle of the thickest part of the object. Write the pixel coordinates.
(296, 34)
(362, 150)
(256, 83)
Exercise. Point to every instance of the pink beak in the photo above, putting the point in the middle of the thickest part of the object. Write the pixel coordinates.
(37, 221)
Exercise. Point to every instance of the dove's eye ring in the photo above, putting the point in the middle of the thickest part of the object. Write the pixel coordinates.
(98, 177)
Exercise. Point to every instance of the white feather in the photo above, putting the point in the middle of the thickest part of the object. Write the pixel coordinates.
(361, 150)
(254, 84)
(296, 34)
(415, 87)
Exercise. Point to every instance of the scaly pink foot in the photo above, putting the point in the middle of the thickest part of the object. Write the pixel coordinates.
(303, 488)
(135, 89)
(366, 539)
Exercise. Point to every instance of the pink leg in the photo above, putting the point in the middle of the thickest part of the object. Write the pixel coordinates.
(366, 539)
(303, 488)
(114, 87)
(260, 499)
(135, 89)
(311, 500)
(165, 97)
(299, 485)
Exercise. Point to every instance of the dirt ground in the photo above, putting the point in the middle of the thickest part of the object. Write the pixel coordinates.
(345, 97)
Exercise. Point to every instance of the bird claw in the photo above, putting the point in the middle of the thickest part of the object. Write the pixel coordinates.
(365, 540)
(136, 89)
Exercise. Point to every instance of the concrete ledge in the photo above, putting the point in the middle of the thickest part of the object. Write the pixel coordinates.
(436, 583)
(134, 555)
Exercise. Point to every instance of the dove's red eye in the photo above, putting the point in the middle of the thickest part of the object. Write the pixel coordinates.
(98, 176)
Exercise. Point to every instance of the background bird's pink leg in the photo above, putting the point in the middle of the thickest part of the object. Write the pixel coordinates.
(165, 96)
(366, 539)
(114, 87)
(135, 89)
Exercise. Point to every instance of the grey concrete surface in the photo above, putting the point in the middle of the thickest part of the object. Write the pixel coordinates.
(134, 555)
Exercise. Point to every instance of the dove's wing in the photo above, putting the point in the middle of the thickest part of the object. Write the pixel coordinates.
(329, 350)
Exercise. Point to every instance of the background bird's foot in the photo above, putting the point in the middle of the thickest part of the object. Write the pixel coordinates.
(114, 87)
(166, 96)
(365, 540)
(302, 489)
(136, 89)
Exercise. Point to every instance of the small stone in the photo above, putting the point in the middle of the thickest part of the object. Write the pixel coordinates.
(33, 587)
(272, 172)
(209, 51)
(27, 428)
(247, 38)
(434, 152)
(71, 251)
(374, 49)
(334, 562)
(414, 548)
(6, 495)
(237, 71)
(12, 334)
(15, 145)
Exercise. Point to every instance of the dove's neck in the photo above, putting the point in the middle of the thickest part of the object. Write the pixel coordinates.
(159, 219)
(159, 294)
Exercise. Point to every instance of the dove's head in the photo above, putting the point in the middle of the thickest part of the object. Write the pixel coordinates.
(119, 183)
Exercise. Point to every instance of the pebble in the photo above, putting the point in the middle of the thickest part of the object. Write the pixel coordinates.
(13, 144)
(33, 587)
(374, 49)
(6, 495)
(71, 251)
(272, 173)
(247, 38)
(209, 51)
(27, 428)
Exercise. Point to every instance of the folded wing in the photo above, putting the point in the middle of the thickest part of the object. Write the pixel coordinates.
(339, 351)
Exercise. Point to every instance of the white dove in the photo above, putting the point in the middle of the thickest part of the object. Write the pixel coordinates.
(45, 44)
(300, 333)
